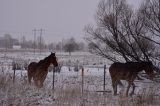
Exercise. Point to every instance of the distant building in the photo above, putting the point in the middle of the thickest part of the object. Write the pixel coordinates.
(16, 47)
(8, 42)
(2, 42)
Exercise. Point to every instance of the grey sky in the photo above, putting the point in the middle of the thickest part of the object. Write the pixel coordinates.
(60, 18)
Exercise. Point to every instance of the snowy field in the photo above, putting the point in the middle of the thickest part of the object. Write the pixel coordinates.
(68, 83)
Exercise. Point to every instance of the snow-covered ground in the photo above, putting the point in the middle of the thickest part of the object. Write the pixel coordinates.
(68, 84)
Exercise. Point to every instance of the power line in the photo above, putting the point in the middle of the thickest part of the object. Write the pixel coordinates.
(40, 32)
(34, 32)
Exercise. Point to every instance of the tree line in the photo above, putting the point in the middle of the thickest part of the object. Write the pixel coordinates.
(66, 45)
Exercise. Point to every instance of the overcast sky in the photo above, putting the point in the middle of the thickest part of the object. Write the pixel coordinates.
(60, 19)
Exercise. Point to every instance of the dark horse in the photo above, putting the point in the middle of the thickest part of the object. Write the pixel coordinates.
(39, 70)
(128, 71)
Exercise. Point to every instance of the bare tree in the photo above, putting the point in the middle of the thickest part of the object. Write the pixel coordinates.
(120, 34)
(70, 45)
(8, 41)
(151, 10)
(81, 46)
(23, 42)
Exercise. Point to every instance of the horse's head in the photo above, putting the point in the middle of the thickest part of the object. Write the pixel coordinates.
(53, 59)
(149, 70)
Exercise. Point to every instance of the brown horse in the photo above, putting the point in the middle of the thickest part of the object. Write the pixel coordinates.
(38, 71)
(128, 71)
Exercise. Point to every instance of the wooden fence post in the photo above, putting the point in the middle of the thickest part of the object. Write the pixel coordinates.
(53, 78)
(14, 75)
(104, 78)
(82, 74)
(14, 70)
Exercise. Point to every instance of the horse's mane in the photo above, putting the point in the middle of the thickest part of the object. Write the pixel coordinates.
(43, 60)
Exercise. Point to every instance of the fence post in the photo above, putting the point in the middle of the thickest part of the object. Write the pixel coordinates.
(82, 78)
(14, 75)
(14, 70)
(104, 78)
(21, 70)
(53, 78)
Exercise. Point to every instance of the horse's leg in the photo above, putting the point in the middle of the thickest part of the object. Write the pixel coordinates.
(39, 83)
(133, 85)
(114, 85)
(29, 80)
(43, 78)
(129, 85)
(29, 77)
(35, 79)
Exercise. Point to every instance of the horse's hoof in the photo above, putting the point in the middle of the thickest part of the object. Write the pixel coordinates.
(115, 94)
(131, 94)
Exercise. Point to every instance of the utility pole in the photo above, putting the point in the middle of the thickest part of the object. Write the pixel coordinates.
(34, 32)
(41, 32)
(104, 83)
